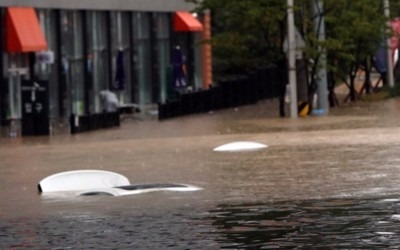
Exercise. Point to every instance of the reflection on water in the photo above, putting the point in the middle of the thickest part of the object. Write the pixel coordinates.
(313, 224)
(322, 224)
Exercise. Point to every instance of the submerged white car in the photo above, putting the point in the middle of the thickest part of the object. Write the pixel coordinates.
(99, 182)
(240, 146)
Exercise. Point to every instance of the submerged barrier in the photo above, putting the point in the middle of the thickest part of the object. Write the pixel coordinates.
(259, 84)
(85, 123)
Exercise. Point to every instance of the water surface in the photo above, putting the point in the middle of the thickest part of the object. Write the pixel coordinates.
(324, 182)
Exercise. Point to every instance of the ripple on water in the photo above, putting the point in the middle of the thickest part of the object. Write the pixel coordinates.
(325, 224)
(337, 223)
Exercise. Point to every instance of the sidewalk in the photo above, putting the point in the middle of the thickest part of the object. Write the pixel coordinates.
(264, 115)
(343, 89)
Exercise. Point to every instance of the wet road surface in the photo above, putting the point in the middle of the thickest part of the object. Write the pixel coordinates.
(324, 182)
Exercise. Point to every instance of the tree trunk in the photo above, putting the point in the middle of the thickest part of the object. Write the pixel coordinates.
(367, 80)
(353, 92)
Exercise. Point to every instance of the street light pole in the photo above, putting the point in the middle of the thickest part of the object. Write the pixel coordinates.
(390, 76)
(292, 60)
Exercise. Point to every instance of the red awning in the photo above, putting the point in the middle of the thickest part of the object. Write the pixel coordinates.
(184, 21)
(24, 33)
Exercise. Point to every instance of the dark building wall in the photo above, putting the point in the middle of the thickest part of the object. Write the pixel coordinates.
(131, 5)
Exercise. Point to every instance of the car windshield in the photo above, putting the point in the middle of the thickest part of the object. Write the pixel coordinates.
(148, 186)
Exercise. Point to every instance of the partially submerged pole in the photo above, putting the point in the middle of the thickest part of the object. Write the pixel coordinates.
(322, 83)
(292, 60)
(390, 77)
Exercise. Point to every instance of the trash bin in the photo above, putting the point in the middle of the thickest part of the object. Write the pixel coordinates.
(35, 108)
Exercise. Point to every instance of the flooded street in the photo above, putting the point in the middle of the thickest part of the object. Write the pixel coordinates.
(328, 182)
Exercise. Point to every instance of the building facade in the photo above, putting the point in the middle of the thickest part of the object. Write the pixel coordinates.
(78, 48)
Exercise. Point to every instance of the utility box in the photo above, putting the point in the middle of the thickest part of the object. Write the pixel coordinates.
(35, 108)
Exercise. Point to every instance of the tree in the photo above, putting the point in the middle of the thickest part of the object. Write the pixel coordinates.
(356, 29)
(248, 33)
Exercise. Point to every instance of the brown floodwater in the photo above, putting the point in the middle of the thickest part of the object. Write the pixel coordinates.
(323, 182)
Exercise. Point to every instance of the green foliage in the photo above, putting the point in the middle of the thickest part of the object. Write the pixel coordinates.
(246, 33)
(394, 8)
(356, 29)
(249, 33)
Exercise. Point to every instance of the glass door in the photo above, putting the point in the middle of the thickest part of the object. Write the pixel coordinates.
(17, 70)
(14, 95)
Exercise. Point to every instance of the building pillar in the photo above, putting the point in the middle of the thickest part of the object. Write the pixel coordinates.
(206, 50)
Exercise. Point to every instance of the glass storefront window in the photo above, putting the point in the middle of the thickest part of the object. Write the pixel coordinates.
(98, 57)
(45, 71)
(5, 63)
(163, 47)
(14, 96)
(121, 63)
(72, 60)
(198, 66)
(17, 71)
(142, 57)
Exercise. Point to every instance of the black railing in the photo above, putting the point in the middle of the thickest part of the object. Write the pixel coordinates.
(85, 123)
(262, 83)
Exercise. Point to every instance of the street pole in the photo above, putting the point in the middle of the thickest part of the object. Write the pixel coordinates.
(322, 83)
(292, 60)
(390, 76)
